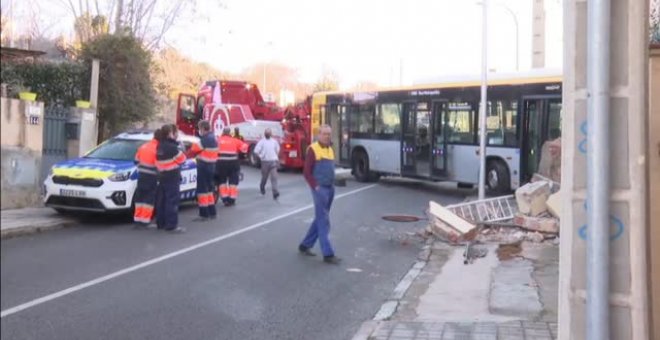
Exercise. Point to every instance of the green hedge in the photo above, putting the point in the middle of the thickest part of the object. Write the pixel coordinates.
(62, 83)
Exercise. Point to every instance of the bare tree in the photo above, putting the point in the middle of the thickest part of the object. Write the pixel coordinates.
(148, 20)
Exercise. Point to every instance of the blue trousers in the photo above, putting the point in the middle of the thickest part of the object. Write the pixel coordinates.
(167, 204)
(145, 198)
(320, 228)
(206, 189)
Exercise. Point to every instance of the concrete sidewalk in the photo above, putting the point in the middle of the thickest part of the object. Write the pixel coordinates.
(15, 222)
(507, 295)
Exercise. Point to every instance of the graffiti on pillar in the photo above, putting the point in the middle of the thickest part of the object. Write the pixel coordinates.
(582, 145)
(614, 234)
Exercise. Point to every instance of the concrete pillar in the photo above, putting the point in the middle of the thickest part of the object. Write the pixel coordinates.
(629, 184)
(94, 87)
(85, 138)
(654, 187)
(538, 34)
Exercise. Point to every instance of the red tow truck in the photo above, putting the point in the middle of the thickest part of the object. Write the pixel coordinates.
(239, 104)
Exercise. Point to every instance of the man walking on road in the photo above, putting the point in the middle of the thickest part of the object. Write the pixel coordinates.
(319, 173)
(268, 150)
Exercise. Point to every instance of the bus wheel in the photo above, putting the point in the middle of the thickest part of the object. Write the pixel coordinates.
(361, 168)
(498, 180)
(253, 159)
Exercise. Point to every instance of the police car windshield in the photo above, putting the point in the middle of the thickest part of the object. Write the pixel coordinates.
(117, 149)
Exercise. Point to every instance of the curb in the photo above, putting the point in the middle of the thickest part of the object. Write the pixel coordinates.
(36, 228)
(389, 307)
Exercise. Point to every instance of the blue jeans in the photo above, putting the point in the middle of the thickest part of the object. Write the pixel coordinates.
(320, 227)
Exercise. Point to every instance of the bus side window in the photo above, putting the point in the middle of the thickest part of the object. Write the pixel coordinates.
(501, 123)
(388, 119)
(461, 124)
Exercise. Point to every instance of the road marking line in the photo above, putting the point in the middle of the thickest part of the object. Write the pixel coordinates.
(44, 299)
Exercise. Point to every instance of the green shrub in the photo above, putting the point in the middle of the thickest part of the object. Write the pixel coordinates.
(54, 83)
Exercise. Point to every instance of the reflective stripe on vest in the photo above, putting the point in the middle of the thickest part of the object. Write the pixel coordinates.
(172, 163)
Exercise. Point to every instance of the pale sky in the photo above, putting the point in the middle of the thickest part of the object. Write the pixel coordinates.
(361, 40)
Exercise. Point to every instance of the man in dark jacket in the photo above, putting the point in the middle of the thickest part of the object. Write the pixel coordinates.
(168, 162)
(207, 156)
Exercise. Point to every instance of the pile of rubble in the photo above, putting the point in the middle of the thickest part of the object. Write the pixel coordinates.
(532, 215)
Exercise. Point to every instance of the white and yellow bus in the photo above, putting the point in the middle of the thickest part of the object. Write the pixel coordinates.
(431, 131)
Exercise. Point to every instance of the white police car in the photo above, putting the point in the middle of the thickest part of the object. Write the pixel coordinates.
(104, 180)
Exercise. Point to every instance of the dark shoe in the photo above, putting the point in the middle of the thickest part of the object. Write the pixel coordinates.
(331, 259)
(276, 195)
(213, 217)
(262, 190)
(177, 230)
(305, 251)
(200, 219)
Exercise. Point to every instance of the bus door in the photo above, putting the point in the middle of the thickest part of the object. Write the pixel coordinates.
(332, 118)
(344, 140)
(438, 155)
(416, 141)
(541, 122)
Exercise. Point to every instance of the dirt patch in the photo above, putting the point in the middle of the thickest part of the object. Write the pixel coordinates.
(510, 251)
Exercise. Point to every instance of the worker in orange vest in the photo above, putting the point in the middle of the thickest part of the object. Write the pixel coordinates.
(228, 168)
(147, 182)
(207, 156)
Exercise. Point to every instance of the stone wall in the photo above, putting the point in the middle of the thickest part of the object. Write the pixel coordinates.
(22, 143)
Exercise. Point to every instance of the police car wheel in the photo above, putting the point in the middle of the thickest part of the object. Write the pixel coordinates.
(62, 211)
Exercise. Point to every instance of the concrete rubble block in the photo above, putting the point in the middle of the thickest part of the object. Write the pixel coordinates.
(554, 204)
(447, 224)
(531, 198)
(541, 224)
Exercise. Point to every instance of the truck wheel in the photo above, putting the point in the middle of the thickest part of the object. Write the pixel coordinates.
(498, 179)
(361, 168)
(253, 159)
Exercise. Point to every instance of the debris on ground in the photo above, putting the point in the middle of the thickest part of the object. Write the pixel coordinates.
(542, 224)
(531, 215)
(554, 204)
(509, 251)
(472, 252)
(447, 224)
(531, 198)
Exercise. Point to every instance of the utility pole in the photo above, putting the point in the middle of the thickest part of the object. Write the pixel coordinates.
(484, 101)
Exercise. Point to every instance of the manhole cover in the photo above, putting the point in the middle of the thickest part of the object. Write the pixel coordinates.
(403, 218)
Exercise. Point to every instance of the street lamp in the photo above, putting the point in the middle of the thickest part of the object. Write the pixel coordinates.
(484, 100)
(515, 21)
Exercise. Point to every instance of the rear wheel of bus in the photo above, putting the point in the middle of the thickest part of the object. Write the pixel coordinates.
(498, 179)
(361, 169)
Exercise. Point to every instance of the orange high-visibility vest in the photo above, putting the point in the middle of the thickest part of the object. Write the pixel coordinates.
(206, 150)
(145, 157)
(229, 148)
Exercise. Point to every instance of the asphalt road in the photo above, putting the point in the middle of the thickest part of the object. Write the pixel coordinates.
(239, 277)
